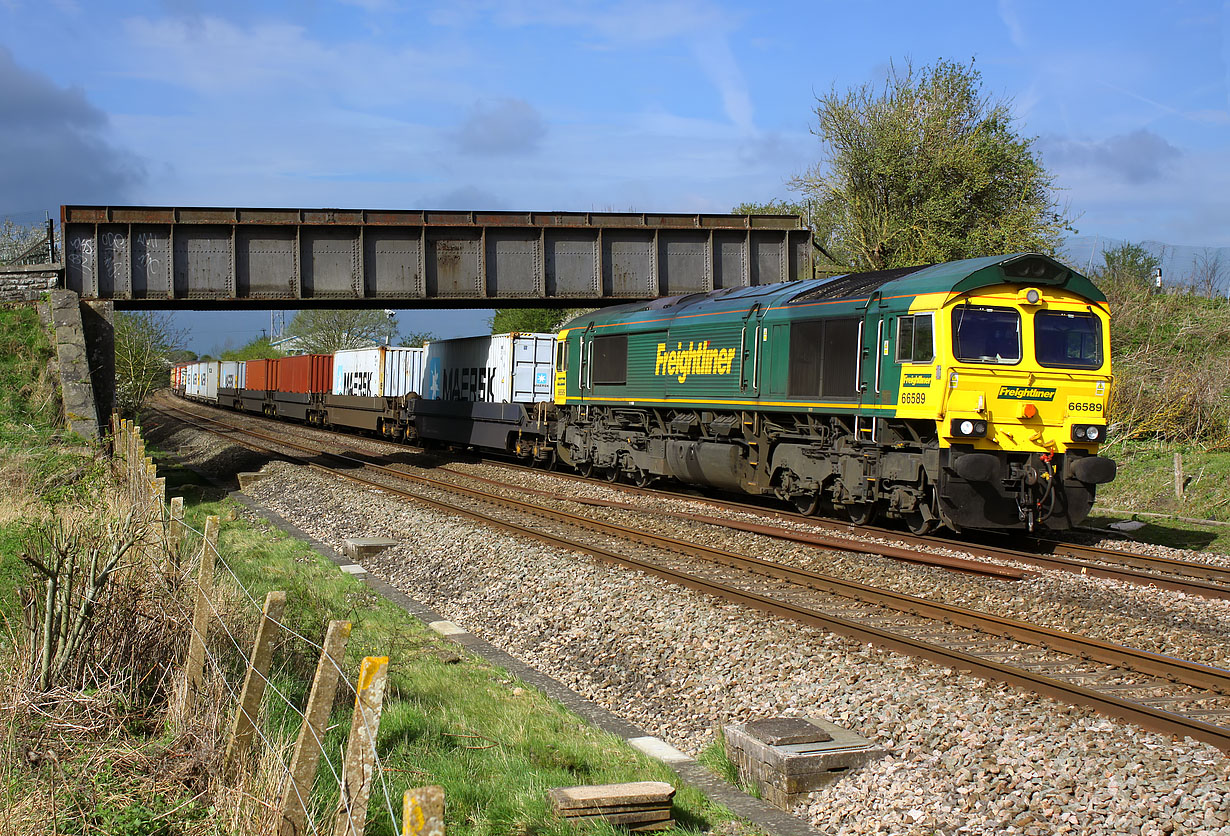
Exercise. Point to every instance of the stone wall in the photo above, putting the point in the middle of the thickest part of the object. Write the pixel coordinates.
(20, 283)
(76, 381)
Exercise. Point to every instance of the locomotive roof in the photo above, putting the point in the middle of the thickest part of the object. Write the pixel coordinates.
(952, 276)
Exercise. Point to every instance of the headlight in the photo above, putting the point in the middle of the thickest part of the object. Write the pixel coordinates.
(1088, 433)
(969, 428)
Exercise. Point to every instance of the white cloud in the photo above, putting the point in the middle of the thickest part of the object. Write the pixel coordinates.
(215, 57)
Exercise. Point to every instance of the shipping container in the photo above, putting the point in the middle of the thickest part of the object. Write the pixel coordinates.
(203, 381)
(260, 375)
(358, 373)
(231, 375)
(501, 368)
(305, 373)
(403, 372)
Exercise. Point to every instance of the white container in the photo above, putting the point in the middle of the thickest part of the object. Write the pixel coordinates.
(232, 375)
(403, 371)
(501, 368)
(210, 392)
(381, 372)
(358, 372)
(203, 380)
(192, 379)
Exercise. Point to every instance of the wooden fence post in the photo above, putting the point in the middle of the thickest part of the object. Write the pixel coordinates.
(1178, 476)
(422, 812)
(175, 531)
(193, 675)
(360, 762)
(306, 757)
(244, 724)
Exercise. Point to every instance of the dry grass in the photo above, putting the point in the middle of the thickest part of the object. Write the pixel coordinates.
(116, 747)
(1171, 363)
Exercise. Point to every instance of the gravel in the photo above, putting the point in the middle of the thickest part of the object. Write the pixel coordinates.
(966, 756)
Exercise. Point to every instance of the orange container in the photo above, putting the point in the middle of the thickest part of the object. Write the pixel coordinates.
(261, 375)
(306, 373)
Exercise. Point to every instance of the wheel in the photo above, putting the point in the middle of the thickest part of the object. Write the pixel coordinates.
(586, 469)
(861, 513)
(806, 504)
(612, 474)
(920, 525)
(550, 463)
(643, 479)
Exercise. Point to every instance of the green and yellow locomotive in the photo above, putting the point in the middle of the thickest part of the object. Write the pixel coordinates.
(970, 394)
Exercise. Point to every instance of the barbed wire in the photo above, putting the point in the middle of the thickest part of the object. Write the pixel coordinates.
(217, 665)
(162, 521)
(342, 676)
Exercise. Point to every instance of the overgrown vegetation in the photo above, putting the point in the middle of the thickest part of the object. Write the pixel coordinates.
(258, 349)
(533, 320)
(41, 463)
(1170, 356)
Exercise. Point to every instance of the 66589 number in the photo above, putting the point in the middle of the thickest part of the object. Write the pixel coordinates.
(1082, 406)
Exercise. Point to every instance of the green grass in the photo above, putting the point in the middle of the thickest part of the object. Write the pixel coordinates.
(1145, 483)
(36, 453)
(495, 744)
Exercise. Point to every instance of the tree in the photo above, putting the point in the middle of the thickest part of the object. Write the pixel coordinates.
(326, 331)
(927, 169)
(16, 239)
(1128, 265)
(257, 349)
(1208, 271)
(144, 344)
(531, 320)
(416, 339)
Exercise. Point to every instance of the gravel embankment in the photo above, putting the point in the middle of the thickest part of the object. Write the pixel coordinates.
(965, 756)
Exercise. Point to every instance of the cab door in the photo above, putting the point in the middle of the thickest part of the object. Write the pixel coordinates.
(753, 338)
(585, 383)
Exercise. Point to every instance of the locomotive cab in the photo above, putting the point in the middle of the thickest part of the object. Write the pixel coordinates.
(1019, 385)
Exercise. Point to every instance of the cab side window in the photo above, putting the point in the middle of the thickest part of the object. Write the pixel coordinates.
(915, 343)
(610, 360)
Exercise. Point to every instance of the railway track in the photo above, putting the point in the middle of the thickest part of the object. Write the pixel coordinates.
(1156, 691)
(1204, 580)
(1192, 578)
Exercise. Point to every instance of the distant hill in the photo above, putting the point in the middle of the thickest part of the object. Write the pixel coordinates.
(1182, 264)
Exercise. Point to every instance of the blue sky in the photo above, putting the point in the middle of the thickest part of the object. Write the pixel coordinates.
(673, 105)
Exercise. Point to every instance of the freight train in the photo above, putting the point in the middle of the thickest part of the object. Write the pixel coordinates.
(969, 394)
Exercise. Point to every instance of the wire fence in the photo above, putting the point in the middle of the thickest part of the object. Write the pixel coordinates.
(217, 630)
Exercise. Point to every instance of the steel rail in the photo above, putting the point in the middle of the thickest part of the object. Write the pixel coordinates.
(1199, 579)
(1169, 668)
(1196, 578)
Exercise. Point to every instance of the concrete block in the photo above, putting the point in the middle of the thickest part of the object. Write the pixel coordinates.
(658, 748)
(802, 759)
(446, 628)
(357, 548)
(603, 795)
(639, 805)
(250, 478)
